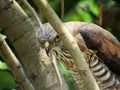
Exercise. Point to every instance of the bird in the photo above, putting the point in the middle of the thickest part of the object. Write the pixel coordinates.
(90, 35)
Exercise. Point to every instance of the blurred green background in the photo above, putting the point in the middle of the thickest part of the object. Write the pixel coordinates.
(75, 10)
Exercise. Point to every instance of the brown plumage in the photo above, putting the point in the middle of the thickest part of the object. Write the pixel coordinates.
(107, 46)
(99, 39)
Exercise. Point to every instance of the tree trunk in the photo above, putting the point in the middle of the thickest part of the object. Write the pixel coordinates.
(22, 34)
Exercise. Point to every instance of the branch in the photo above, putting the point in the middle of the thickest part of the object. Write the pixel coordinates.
(69, 43)
(39, 23)
(14, 66)
(53, 58)
(62, 10)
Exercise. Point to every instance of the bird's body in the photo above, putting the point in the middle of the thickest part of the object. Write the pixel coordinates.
(95, 38)
(106, 45)
(105, 78)
(68, 62)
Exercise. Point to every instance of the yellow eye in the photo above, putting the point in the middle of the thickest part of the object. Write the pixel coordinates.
(57, 38)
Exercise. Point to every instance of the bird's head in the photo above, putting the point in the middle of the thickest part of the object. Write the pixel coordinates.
(53, 44)
(48, 38)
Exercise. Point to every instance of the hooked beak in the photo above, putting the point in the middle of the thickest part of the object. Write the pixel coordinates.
(47, 48)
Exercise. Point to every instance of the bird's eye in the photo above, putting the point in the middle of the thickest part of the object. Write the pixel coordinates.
(57, 38)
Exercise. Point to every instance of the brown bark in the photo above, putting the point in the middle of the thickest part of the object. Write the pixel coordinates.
(22, 34)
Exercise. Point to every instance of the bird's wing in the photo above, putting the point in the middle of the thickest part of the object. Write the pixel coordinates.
(97, 38)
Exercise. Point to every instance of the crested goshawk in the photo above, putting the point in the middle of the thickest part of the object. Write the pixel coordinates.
(104, 64)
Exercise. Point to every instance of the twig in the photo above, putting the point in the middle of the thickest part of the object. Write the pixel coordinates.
(56, 68)
(101, 14)
(14, 66)
(39, 23)
(62, 10)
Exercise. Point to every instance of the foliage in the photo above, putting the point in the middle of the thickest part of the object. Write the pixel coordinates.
(7, 81)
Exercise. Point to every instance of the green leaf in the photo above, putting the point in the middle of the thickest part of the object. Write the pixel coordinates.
(6, 80)
(3, 36)
(3, 65)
